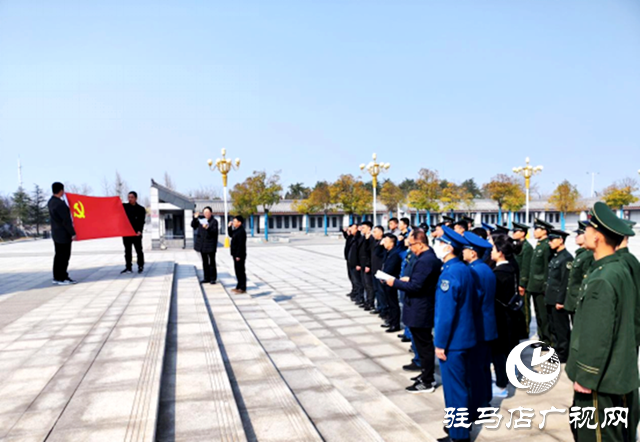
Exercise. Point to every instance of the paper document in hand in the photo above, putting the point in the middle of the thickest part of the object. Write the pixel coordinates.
(203, 221)
(382, 276)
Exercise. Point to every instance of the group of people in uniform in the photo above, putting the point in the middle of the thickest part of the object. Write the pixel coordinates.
(465, 296)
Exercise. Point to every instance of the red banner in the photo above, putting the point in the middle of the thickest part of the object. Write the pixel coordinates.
(98, 217)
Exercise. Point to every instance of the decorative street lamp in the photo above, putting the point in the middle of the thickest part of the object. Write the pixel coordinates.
(224, 165)
(527, 172)
(374, 168)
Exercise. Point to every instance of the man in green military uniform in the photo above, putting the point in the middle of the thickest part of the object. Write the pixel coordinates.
(579, 270)
(523, 255)
(559, 268)
(603, 363)
(538, 276)
(634, 269)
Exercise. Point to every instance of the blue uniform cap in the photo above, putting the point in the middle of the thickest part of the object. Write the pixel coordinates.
(488, 227)
(476, 243)
(453, 238)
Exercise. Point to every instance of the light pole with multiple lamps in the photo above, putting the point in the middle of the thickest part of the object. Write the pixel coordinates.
(224, 165)
(527, 172)
(374, 168)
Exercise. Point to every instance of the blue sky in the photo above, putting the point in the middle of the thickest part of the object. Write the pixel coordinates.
(312, 88)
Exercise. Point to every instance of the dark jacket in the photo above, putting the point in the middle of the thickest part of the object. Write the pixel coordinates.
(578, 274)
(511, 324)
(378, 253)
(523, 258)
(238, 242)
(559, 269)
(137, 215)
(364, 251)
(634, 270)
(347, 243)
(392, 263)
(61, 224)
(352, 254)
(205, 240)
(420, 290)
(539, 268)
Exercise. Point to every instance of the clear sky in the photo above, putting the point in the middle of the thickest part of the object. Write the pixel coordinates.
(312, 88)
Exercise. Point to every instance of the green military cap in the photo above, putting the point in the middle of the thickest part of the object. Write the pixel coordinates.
(602, 218)
(557, 233)
(502, 229)
(629, 222)
(518, 227)
(540, 224)
(582, 225)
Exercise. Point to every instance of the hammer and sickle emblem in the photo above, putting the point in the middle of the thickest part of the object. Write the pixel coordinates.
(78, 210)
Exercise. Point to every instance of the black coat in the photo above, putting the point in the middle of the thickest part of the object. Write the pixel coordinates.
(61, 224)
(205, 240)
(377, 256)
(510, 324)
(347, 244)
(238, 242)
(364, 251)
(353, 258)
(137, 215)
(420, 291)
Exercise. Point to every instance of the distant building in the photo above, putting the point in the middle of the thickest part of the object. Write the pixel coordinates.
(171, 214)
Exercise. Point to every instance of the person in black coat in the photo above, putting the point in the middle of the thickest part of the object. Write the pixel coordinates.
(392, 266)
(420, 299)
(349, 236)
(510, 322)
(62, 233)
(239, 252)
(353, 262)
(206, 242)
(378, 253)
(137, 215)
(364, 257)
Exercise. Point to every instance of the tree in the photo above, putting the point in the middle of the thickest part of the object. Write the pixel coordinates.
(503, 189)
(408, 185)
(453, 195)
(82, 189)
(168, 181)
(472, 188)
(5, 210)
(37, 210)
(117, 188)
(297, 191)
(20, 206)
(244, 201)
(391, 195)
(426, 195)
(350, 194)
(565, 197)
(620, 193)
(319, 200)
(205, 193)
(259, 189)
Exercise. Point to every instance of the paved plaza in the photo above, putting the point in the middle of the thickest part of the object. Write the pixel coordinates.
(158, 357)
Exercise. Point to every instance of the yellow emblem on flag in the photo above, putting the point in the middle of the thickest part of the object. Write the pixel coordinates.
(78, 210)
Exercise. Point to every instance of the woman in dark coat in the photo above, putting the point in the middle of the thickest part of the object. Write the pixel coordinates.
(205, 241)
(510, 321)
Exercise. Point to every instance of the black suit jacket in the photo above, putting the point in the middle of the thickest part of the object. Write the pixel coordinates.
(136, 214)
(238, 242)
(61, 225)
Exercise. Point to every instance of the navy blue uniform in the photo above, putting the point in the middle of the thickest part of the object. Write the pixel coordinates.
(455, 332)
(486, 330)
(392, 266)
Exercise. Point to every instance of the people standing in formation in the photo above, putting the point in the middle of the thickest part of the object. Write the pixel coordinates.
(137, 216)
(466, 302)
(205, 242)
(62, 233)
(239, 252)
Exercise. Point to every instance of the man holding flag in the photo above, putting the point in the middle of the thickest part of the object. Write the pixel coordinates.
(62, 233)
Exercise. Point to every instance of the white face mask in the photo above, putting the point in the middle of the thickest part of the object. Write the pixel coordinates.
(440, 250)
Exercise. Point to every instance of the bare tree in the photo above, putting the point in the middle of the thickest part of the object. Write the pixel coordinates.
(120, 186)
(82, 189)
(168, 181)
(206, 193)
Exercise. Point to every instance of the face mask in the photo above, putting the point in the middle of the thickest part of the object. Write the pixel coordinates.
(440, 251)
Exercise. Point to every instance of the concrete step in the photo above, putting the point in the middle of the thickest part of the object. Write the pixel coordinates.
(72, 370)
(386, 418)
(332, 414)
(197, 400)
(269, 409)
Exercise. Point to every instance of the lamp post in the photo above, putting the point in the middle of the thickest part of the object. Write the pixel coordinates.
(527, 172)
(374, 168)
(593, 182)
(224, 165)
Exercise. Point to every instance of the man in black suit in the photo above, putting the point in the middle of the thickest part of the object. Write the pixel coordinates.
(239, 252)
(136, 214)
(392, 266)
(62, 233)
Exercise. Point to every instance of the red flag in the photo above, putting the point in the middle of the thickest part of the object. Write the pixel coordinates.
(98, 217)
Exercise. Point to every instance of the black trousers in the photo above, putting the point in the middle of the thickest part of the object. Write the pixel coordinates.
(241, 275)
(393, 305)
(135, 241)
(560, 327)
(423, 340)
(353, 288)
(61, 261)
(358, 287)
(499, 361)
(209, 266)
(367, 280)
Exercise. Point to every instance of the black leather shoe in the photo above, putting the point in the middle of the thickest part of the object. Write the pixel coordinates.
(411, 367)
(374, 312)
(368, 308)
(401, 336)
(405, 339)
(385, 325)
(393, 329)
